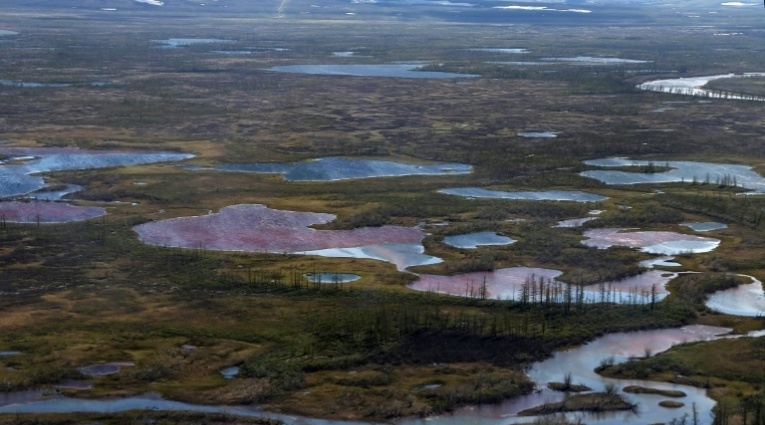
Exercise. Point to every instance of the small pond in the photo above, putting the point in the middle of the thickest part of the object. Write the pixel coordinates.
(236, 52)
(9, 353)
(6, 32)
(46, 212)
(338, 168)
(102, 369)
(180, 42)
(329, 277)
(428, 387)
(541, 9)
(539, 135)
(682, 171)
(654, 242)
(29, 84)
(574, 222)
(230, 372)
(500, 50)
(705, 226)
(550, 195)
(473, 240)
(385, 70)
(74, 384)
(589, 60)
(522, 63)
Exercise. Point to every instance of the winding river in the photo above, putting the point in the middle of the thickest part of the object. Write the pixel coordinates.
(580, 362)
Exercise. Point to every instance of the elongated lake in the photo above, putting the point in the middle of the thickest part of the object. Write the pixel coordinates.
(681, 171)
(474, 240)
(181, 42)
(548, 195)
(338, 168)
(46, 212)
(16, 177)
(694, 86)
(384, 70)
(707, 226)
(512, 283)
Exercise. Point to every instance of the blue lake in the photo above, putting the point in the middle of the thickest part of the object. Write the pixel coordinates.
(179, 42)
(337, 168)
(595, 61)
(521, 63)
(539, 134)
(705, 226)
(549, 195)
(682, 171)
(34, 85)
(473, 240)
(17, 178)
(507, 51)
(384, 70)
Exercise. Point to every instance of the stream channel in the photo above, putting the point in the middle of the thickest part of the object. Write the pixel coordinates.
(579, 361)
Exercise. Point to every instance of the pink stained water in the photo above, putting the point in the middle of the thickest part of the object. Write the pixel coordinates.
(46, 212)
(502, 283)
(507, 284)
(639, 283)
(604, 238)
(257, 228)
(743, 300)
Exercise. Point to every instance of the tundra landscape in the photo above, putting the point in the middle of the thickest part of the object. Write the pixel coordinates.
(394, 211)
